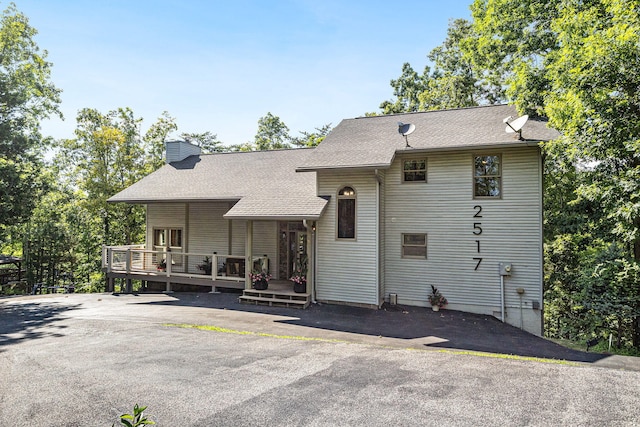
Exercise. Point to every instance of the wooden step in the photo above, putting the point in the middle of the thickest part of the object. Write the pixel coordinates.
(276, 300)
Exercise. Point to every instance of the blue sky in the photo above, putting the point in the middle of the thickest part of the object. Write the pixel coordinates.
(221, 65)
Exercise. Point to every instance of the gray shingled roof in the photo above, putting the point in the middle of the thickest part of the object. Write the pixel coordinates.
(265, 182)
(374, 141)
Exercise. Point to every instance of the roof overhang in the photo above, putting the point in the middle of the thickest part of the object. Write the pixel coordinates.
(143, 201)
(283, 208)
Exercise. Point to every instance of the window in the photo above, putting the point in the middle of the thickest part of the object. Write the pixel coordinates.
(487, 177)
(414, 246)
(167, 238)
(347, 213)
(415, 170)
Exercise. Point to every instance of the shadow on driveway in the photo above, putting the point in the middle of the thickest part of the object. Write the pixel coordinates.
(20, 321)
(445, 329)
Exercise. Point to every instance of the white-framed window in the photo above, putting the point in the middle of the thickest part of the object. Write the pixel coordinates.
(414, 245)
(346, 214)
(487, 176)
(414, 170)
(168, 240)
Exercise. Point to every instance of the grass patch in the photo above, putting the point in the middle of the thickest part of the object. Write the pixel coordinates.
(258, 334)
(302, 338)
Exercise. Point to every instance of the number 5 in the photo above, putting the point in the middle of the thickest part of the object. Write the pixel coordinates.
(477, 230)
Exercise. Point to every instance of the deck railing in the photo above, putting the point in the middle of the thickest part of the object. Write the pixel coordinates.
(137, 260)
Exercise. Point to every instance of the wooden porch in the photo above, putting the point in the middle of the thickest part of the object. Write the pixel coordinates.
(130, 263)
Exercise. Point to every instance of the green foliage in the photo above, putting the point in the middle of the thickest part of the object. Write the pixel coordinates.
(157, 134)
(136, 419)
(207, 141)
(272, 133)
(312, 139)
(26, 97)
(454, 82)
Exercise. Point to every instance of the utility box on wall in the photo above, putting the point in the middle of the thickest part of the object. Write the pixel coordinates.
(505, 268)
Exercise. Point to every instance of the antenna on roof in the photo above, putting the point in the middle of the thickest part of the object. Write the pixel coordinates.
(405, 130)
(516, 125)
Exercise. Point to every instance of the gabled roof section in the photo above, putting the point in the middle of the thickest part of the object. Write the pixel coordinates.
(265, 183)
(372, 142)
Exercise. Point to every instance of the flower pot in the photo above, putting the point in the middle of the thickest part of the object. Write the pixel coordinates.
(260, 285)
(435, 308)
(300, 288)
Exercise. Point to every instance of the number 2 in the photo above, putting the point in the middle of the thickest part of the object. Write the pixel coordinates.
(478, 208)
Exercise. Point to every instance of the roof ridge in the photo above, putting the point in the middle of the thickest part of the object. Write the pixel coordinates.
(433, 111)
(218, 153)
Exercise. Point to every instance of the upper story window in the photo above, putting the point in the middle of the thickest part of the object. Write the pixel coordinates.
(414, 170)
(346, 213)
(487, 176)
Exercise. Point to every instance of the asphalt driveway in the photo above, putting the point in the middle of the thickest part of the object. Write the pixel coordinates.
(78, 360)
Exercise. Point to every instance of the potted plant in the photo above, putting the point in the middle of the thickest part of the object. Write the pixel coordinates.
(162, 265)
(299, 277)
(299, 282)
(260, 279)
(436, 299)
(206, 266)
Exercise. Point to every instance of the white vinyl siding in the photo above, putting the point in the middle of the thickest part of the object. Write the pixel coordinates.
(347, 268)
(165, 215)
(265, 242)
(238, 236)
(206, 231)
(444, 209)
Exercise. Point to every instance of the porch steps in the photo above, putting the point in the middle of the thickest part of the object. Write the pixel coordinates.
(277, 299)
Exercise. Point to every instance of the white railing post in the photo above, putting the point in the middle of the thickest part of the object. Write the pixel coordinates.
(214, 266)
(169, 259)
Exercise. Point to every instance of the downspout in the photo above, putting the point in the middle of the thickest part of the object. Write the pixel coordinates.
(377, 174)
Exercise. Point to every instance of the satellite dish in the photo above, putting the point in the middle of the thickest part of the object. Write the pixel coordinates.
(516, 125)
(406, 129)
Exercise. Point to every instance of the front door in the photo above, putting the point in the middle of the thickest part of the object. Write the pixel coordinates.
(292, 248)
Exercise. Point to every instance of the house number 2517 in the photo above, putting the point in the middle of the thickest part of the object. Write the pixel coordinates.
(477, 231)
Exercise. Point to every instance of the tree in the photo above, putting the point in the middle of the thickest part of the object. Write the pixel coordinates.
(106, 157)
(207, 141)
(407, 89)
(578, 62)
(454, 82)
(312, 139)
(272, 133)
(511, 41)
(26, 97)
(155, 138)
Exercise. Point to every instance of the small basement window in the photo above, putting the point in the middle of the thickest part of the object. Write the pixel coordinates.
(487, 176)
(414, 170)
(414, 246)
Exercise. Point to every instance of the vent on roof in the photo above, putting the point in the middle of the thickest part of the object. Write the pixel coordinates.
(180, 150)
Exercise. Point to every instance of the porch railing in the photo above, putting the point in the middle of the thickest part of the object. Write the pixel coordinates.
(137, 260)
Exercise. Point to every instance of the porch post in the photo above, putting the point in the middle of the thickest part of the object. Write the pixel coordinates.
(248, 252)
(311, 259)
